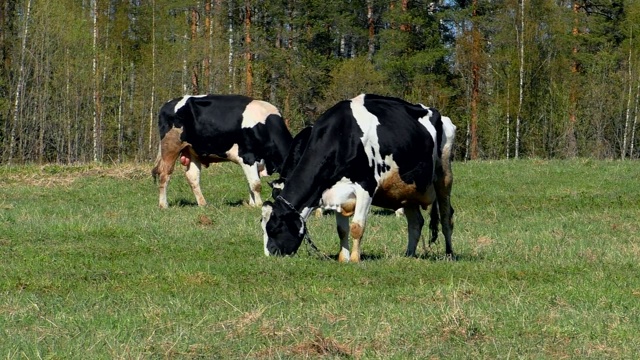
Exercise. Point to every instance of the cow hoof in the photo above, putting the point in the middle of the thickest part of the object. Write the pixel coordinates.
(343, 257)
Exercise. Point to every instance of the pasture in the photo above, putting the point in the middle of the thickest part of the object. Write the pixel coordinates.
(548, 267)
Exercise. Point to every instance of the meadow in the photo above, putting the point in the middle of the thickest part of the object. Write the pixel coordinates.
(548, 267)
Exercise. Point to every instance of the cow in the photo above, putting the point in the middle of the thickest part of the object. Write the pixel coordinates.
(370, 150)
(205, 129)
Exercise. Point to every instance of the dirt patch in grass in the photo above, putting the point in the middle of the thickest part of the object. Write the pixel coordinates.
(320, 346)
(56, 175)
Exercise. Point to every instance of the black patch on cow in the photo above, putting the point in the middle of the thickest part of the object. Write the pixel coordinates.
(297, 148)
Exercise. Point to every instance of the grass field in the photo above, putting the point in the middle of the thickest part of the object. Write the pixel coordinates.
(548, 268)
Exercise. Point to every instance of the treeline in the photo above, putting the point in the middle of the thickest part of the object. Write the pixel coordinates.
(82, 80)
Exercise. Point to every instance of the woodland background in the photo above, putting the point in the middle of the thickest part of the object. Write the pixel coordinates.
(82, 80)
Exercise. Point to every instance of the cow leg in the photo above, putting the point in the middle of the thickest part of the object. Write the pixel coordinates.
(253, 178)
(433, 223)
(363, 204)
(415, 222)
(342, 225)
(162, 189)
(443, 190)
(168, 152)
(193, 177)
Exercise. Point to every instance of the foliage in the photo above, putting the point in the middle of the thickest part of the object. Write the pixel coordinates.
(579, 83)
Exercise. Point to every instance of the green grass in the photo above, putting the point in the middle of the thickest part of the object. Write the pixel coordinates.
(548, 268)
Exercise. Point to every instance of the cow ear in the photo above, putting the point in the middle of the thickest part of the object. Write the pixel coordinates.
(277, 183)
(267, 207)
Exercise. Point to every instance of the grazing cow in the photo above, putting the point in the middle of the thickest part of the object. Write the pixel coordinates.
(370, 150)
(206, 129)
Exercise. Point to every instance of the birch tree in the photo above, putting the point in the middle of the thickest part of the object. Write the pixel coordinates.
(20, 84)
(521, 80)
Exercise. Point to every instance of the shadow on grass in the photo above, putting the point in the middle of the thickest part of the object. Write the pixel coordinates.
(189, 203)
(382, 211)
(183, 203)
(429, 255)
(236, 203)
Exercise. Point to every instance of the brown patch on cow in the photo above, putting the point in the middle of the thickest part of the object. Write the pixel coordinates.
(171, 146)
(348, 208)
(356, 231)
(394, 193)
(257, 187)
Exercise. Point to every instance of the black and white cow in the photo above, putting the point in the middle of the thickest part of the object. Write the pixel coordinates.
(205, 129)
(370, 150)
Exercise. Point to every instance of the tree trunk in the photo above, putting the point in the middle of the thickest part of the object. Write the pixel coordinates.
(208, 33)
(625, 135)
(96, 83)
(67, 130)
(120, 107)
(405, 6)
(18, 94)
(195, 86)
(635, 121)
(521, 82)
(231, 71)
(371, 25)
(475, 79)
(247, 44)
(508, 118)
(152, 101)
(573, 106)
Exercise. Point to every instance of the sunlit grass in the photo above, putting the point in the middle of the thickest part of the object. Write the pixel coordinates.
(547, 267)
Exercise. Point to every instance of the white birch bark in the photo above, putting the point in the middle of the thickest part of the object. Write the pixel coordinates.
(508, 118)
(521, 83)
(96, 112)
(231, 72)
(18, 94)
(625, 135)
(153, 76)
(635, 121)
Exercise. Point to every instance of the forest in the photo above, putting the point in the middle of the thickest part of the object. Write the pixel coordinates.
(83, 80)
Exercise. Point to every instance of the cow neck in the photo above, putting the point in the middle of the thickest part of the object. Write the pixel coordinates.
(302, 197)
(287, 203)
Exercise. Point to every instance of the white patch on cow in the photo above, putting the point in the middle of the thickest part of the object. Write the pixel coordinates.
(425, 121)
(184, 101)
(449, 130)
(257, 112)
(391, 165)
(233, 154)
(368, 123)
(266, 215)
(306, 212)
(342, 192)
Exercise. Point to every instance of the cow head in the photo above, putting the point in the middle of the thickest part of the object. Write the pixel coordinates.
(283, 228)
